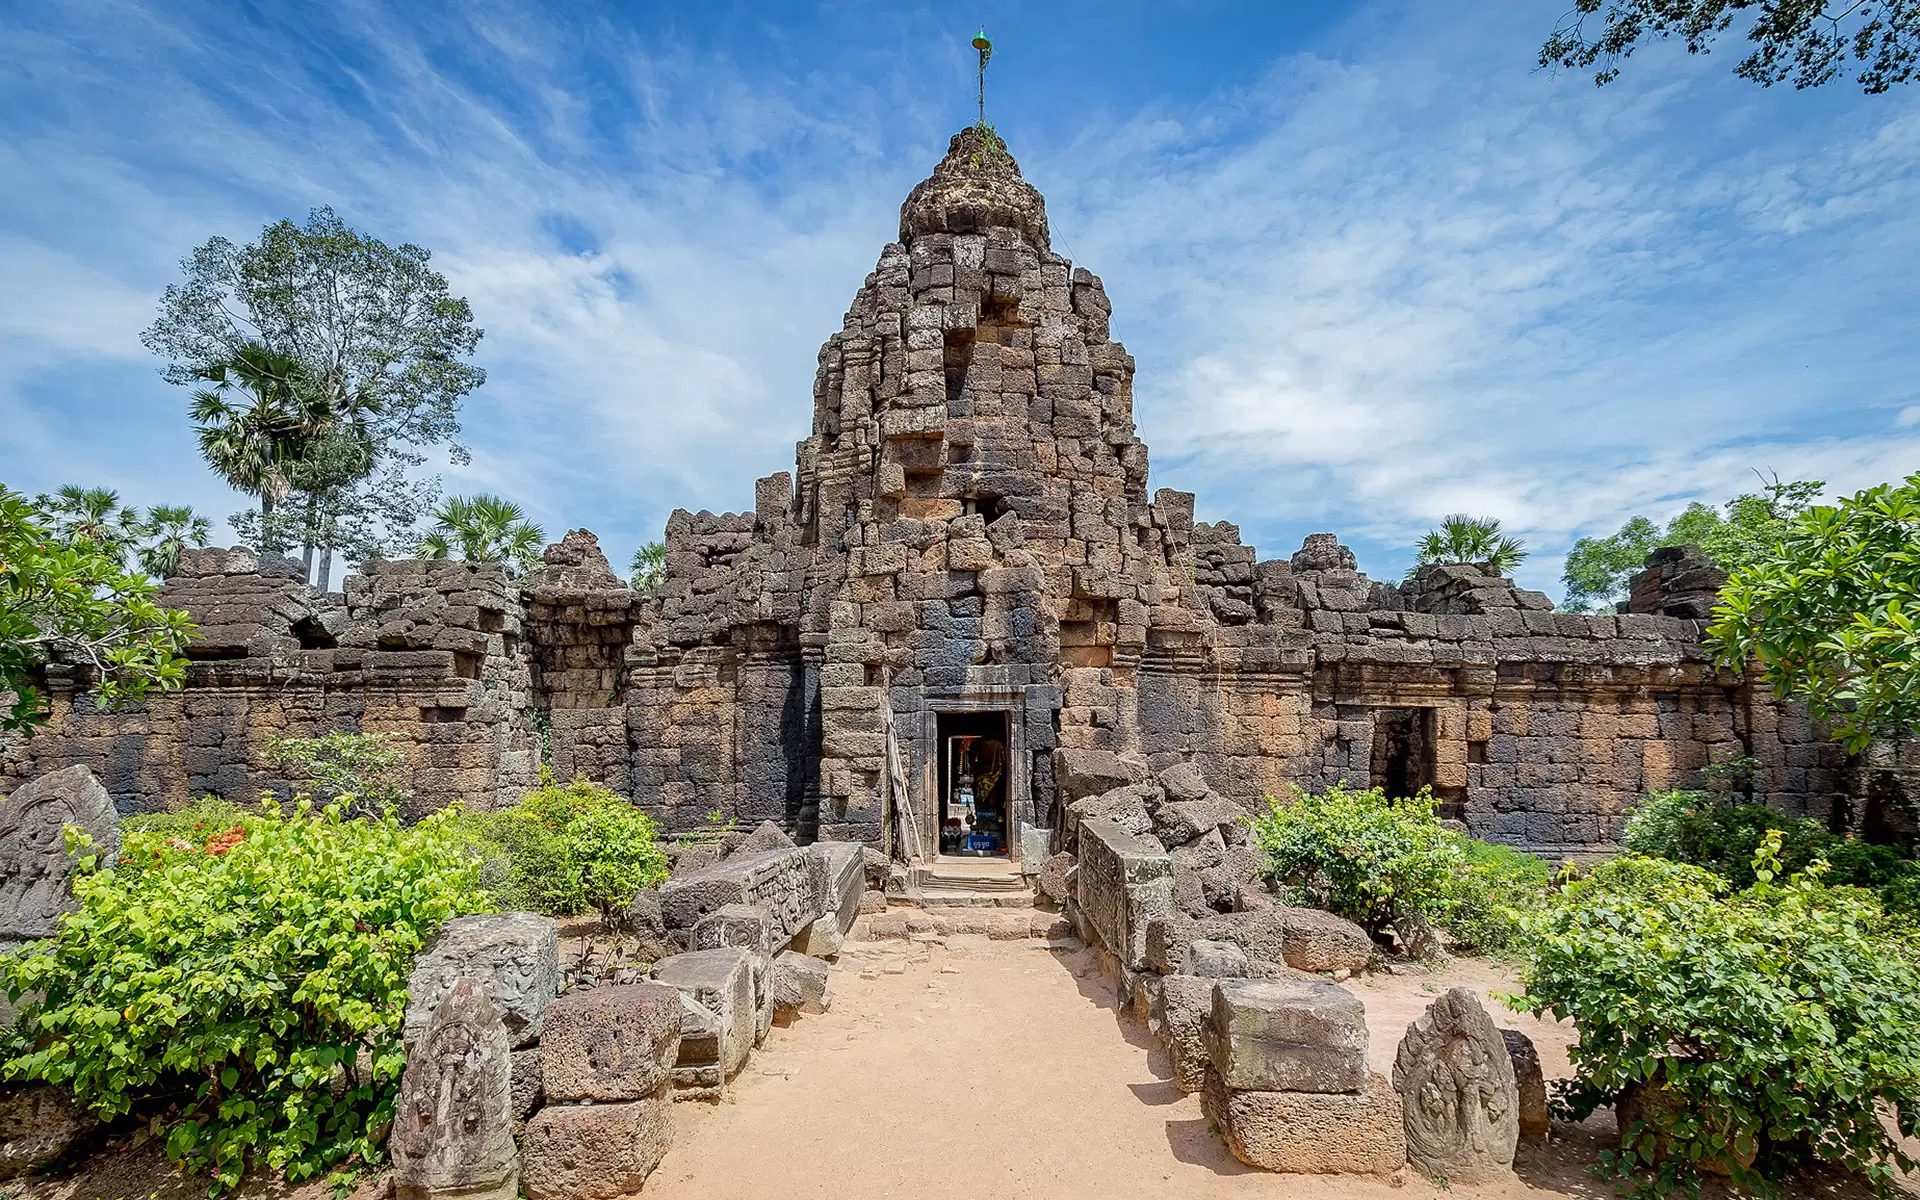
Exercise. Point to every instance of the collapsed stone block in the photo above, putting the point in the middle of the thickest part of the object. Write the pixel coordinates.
(1214, 960)
(746, 925)
(766, 836)
(784, 882)
(38, 1126)
(1125, 880)
(596, 1151)
(1053, 877)
(1178, 822)
(616, 1042)
(1312, 1133)
(453, 1126)
(1186, 1003)
(1529, 1082)
(1183, 782)
(36, 872)
(1312, 939)
(1083, 773)
(799, 983)
(843, 867)
(1287, 1036)
(529, 1091)
(718, 1022)
(1456, 1086)
(514, 957)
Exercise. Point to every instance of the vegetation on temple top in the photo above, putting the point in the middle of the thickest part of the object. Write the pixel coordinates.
(1465, 539)
(649, 566)
(483, 529)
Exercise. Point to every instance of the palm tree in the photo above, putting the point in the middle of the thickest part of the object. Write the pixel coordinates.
(649, 565)
(1465, 539)
(252, 443)
(94, 515)
(171, 528)
(483, 529)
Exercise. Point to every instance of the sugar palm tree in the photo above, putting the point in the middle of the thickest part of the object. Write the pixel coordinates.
(649, 565)
(483, 528)
(1465, 539)
(168, 530)
(94, 515)
(253, 442)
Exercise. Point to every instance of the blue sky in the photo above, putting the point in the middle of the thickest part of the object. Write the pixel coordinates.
(1374, 268)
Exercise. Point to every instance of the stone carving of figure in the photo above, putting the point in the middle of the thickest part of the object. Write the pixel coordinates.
(453, 1128)
(36, 872)
(1457, 1092)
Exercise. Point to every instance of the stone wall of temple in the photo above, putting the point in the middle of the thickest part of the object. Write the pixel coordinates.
(967, 531)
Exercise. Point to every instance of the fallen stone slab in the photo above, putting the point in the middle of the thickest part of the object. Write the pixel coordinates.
(714, 1044)
(1214, 960)
(784, 882)
(1053, 877)
(1314, 1133)
(842, 870)
(745, 925)
(596, 1151)
(453, 1124)
(1287, 1036)
(39, 1126)
(1530, 1081)
(799, 983)
(1186, 1003)
(515, 957)
(616, 1042)
(1315, 940)
(1125, 880)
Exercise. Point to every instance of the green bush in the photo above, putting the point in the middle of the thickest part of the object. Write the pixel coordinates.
(364, 769)
(243, 990)
(1771, 1025)
(572, 848)
(1698, 828)
(1389, 865)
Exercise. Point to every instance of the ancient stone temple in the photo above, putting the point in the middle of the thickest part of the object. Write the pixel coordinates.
(962, 608)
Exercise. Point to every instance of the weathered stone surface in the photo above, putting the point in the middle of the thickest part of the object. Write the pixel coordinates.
(719, 1021)
(1083, 773)
(1053, 877)
(1125, 880)
(1214, 960)
(1529, 1082)
(529, 1091)
(1034, 843)
(1316, 1133)
(766, 836)
(38, 1126)
(781, 881)
(597, 1151)
(1183, 782)
(453, 1126)
(1287, 1036)
(746, 925)
(1126, 806)
(36, 871)
(614, 1042)
(1178, 822)
(646, 929)
(1186, 1004)
(1457, 1088)
(1315, 940)
(842, 866)
(515, 957)
(800, 983)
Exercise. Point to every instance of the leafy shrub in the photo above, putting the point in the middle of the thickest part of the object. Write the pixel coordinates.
(573, 848)
(366, 768)
(1389, 865)
(245, 988)
(1694, 827)
(1770, 1025)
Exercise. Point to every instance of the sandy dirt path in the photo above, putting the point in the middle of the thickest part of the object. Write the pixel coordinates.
(1004, 1070)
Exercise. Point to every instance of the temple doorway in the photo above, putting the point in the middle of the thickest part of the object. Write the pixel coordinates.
(1403, 751)
(975, 766)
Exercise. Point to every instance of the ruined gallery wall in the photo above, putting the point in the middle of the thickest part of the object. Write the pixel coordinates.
(428, 653)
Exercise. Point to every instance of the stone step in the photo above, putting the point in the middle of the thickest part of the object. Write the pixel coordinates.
(960, 899)
(1000, 924)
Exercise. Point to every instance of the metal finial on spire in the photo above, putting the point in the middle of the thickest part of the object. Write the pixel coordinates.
(984, 45)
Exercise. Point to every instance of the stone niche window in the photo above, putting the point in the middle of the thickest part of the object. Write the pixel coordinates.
(1403, 750)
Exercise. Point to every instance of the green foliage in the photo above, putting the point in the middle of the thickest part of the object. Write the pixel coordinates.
(1827, 616)
(1775, 1022)
(1465, 539)
(649, 566)
(96, 516)
(1792, 39)
(1724, 836)
(1389, 865)
(1598, 569)
(362, 770)
(72, 599)
(484, 529)
(244, 990)
(253, 442)
(572, 848)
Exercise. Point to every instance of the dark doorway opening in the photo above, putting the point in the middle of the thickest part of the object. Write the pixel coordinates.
(976, 766)
(1403, 758)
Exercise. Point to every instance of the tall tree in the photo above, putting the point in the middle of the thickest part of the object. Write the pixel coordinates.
(649, 565)
(1465, 539)
(381, 336)
(93, 515)
(1831, 614)
(166, 531)
(254, 441)
(1808, 41)
(483, 529)
(71, 599)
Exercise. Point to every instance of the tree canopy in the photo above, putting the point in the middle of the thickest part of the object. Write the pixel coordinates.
(1829, 615)
(1808, 41)
(1465, 539)
(483, 528)
(649, 565)
(70, 598)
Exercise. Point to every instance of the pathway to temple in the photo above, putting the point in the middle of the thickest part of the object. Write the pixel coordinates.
(970, 1069)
